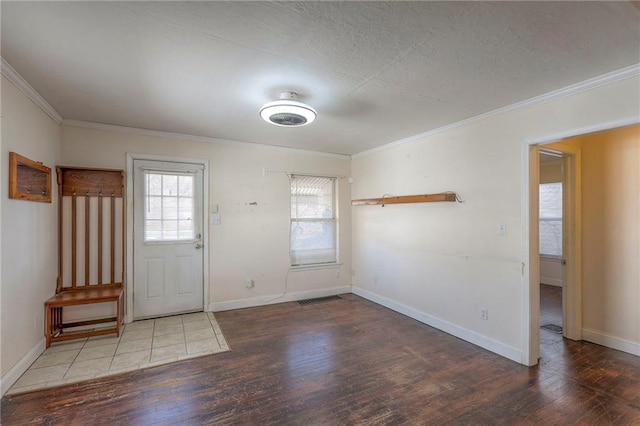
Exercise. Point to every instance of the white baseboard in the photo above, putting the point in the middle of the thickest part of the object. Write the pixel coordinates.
(609, 341)
(23, 365)
(273, 299)
(499, 348)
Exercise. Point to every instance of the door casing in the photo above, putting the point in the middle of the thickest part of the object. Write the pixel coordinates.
(130, 225)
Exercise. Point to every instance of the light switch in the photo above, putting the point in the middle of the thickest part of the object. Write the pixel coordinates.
(215, 219)
(502, 229)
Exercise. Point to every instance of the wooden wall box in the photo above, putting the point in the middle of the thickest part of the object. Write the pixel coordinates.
(28, 179)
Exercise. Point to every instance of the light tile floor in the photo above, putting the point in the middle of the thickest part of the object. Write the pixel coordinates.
(143, 344)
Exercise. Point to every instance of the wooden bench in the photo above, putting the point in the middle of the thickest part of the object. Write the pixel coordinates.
(53, 312)
(98, 190)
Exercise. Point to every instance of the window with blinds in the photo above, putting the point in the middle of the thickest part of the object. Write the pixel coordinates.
(551, 219)
(313, 220)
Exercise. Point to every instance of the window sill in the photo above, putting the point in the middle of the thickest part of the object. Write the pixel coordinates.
(311, 267)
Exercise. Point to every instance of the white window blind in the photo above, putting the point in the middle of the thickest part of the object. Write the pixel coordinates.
(313, 220)
(551, 219)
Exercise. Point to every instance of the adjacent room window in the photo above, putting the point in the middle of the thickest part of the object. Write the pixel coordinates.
(551, 219)
(313, 220)
(168, 206)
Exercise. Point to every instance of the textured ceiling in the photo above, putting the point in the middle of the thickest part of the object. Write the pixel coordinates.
(376, 72)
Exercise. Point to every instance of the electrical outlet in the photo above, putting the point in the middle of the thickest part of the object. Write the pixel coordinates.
(249, 283)
(484, 314)
(338, 273)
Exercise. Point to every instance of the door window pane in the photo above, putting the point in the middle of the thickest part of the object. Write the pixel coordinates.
(170, 185)
(154, 184)
(169, 207)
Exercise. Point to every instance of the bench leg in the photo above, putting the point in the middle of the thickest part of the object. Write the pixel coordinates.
(119, 313)
(53, 322)
(48, 325)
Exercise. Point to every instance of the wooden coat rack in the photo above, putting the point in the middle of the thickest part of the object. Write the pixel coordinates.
(90, 250)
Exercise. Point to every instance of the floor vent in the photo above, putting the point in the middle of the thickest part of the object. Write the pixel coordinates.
(552, 327)
(318, 300)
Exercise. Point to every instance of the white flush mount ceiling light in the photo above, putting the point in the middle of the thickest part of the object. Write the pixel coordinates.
(287, 111)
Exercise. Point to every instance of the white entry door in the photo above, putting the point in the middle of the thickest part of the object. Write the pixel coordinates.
(167, 244)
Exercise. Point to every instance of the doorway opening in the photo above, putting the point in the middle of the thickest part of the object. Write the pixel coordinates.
(551, 248)
(555, 242)
(596, 304)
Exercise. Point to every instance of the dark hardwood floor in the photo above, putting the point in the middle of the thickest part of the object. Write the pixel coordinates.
(347, 362)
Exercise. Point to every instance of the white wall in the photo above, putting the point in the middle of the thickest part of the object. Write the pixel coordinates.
(443, 263)
(252, 240)
(29, 230)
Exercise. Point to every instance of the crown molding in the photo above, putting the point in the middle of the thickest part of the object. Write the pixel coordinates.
(15, 78)
(205, 139)
(574, 89)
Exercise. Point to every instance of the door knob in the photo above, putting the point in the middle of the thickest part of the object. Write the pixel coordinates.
(198, 245)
